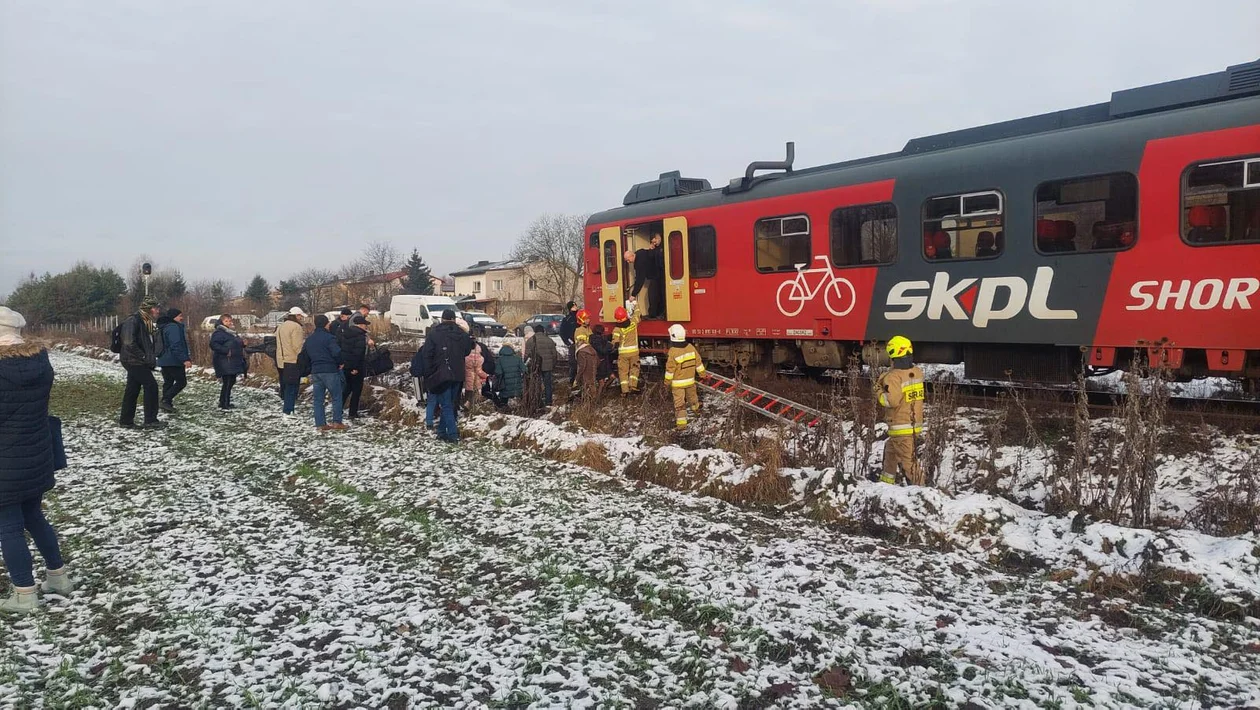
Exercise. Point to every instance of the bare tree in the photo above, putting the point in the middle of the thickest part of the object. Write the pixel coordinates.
(317, 286)
(381, 258)
(553, 247)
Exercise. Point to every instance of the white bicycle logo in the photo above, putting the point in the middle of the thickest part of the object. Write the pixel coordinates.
(839, 296)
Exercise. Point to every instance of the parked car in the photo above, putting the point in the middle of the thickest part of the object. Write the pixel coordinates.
(481, 324)
(414, 315)
(549, 321)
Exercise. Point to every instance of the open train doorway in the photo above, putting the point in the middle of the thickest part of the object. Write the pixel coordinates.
(644, 254)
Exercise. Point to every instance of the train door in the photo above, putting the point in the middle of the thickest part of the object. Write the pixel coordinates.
(677, 270)
(612, 288)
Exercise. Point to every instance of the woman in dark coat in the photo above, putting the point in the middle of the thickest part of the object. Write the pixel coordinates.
(26, 466)
(509, 375)
(229, 359)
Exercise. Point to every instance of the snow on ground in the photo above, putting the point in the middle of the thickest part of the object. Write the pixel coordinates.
(239, 559)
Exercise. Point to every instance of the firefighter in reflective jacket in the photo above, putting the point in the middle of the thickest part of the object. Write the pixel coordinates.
(682, 365)
(900, 392)
(626, 339)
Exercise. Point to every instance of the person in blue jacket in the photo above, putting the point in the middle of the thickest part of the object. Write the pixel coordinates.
(26, 466)
(175, 359)
(229, 359)
(324, 353)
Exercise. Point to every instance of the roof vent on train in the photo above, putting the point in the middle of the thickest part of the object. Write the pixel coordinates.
(747, 182)
(1236, 81)
(671, 184)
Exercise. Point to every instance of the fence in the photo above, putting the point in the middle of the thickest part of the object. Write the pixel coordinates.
(94, 325)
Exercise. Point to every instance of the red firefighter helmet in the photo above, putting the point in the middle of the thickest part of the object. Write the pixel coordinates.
(583, 317)
(620, 314)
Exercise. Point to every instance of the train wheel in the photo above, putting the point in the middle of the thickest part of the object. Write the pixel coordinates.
(791, 298)
(840, 297)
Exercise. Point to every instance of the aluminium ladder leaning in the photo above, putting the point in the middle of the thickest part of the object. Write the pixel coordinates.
(761, 401)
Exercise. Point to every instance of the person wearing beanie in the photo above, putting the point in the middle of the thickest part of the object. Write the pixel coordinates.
(343, 321)
(325, 357)
(141, 348)
(441, 362)
(354, 354)
(682, 366)
(27, 462)
(175, 359)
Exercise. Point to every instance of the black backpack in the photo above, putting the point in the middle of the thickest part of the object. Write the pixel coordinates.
(115, 339)
(304, 363)
(378, 361)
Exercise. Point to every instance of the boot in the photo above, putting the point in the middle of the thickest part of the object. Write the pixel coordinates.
(59, 582)
(24, 600)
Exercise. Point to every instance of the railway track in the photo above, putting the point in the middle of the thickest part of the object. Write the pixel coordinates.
(817, 395)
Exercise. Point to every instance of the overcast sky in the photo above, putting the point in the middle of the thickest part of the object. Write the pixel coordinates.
(226, 137)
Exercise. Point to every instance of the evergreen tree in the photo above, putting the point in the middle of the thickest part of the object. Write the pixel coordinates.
(259, 292)
(176, 287)
(290, 294)
(220, 294)
(419, 278)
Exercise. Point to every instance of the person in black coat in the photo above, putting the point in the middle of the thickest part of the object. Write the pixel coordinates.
(229, 359)
(354, 347)
(340, 324)
(141, 348)
(26, 466)
(441, 359)
(649, 268)
(175, 358)
(568, 327)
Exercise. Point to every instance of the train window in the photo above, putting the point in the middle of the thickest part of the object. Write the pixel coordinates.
(1220, 203)
(610, 261)
(594, 239)
(1087, 214)
(675, 242)
(966, 226)
(782, 243)
(865, 235)
(702, 248)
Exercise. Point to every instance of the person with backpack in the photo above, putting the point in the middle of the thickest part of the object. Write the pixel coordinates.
(175, 359)
(229, 359)
(289, 338)
(509, 376)
(138, 345)
(541, 355)
(28, 458)
(323, 355)
(354, 350)
(441, 359)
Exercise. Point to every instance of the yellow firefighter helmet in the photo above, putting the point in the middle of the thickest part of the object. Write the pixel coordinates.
(899, 346)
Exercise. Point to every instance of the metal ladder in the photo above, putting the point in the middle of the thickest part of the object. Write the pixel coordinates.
(761, 401)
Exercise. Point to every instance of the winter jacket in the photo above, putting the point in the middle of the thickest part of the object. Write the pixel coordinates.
(587, 365)
(474, 375)
(541, 353)
(353, 344)
(443, 354)
(338, 327)
(568, 326)
(900, 392)
(324, 352)
(626, 336)
(509, 373)
(289, 337)
(649, 264)
(174, 343)
(607, 355)
(26, 443)
(682, 364)
(141, 345)
(229, 353)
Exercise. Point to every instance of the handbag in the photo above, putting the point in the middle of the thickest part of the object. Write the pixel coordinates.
(59, 443)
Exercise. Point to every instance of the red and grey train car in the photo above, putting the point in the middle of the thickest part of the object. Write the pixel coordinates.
(1030, 247)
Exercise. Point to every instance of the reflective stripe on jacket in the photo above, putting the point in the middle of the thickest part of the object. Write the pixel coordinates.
(901, 394)
(682, 364)
(626, 337)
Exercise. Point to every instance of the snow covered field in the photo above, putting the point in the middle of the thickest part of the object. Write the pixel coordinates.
(240, 560)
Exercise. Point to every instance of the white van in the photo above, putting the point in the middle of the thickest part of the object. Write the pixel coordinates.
(414, 315)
